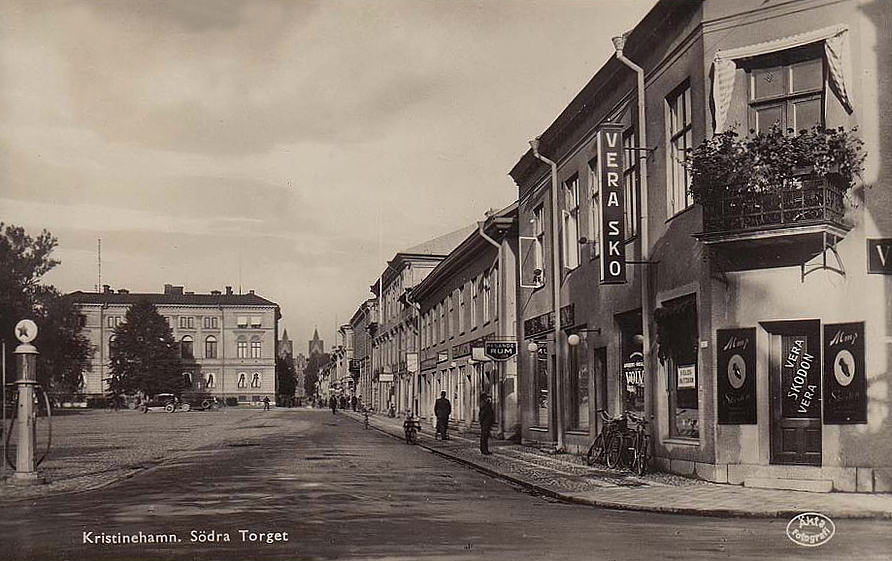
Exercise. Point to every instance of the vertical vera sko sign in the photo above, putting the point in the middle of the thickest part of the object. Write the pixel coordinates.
(845, 384)
(610, 174)
(736, 376)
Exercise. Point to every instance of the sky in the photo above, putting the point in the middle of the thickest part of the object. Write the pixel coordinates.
(289, 147)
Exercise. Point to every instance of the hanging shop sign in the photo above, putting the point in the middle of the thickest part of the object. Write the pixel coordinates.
(442, 356)
(736, 376)
(500, 350)
(412, 362)
(879, 256)
(385, 377)
(354, 365)
(610, 176)
(845, 383)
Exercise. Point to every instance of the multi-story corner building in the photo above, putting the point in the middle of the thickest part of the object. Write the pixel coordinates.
(395, 333)
(467, 307)
(361, 366)
(228, 341)
(752, 327)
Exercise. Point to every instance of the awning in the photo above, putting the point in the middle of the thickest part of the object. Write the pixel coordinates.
(836, 51)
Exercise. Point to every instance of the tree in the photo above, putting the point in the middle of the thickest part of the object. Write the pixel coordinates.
(286, 377)
(143, 355)
(311, 372)
(64, 351)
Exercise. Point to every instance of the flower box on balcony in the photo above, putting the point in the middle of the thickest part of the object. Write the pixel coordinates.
(774, 199)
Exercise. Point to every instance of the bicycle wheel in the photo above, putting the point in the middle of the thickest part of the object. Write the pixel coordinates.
(613, 450)
(642, 455)
(412, 436)
(596, 451)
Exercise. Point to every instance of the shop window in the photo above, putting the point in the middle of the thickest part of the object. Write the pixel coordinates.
(577, 368)
(678, 345)
(542, 360)
(243, 399)
(786, 89)
(632, 376)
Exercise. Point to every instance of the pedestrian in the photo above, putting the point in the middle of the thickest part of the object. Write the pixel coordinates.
(333, 403)
(353, 402)
(442, 410)
(487, 419)
(266, 403)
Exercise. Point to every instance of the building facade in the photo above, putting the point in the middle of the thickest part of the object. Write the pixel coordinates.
(361, 366)
(228, 341)
(749, 326)
(466, 303)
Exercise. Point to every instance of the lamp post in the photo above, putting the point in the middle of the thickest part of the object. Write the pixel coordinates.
(556, 296)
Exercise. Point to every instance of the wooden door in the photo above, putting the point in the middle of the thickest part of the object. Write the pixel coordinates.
(795, 391)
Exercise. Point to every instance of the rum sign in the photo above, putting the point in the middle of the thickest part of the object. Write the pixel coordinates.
(610, 176)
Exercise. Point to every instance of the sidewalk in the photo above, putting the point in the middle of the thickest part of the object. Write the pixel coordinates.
(566, 477)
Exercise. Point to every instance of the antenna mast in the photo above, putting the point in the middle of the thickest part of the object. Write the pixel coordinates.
(99, 263)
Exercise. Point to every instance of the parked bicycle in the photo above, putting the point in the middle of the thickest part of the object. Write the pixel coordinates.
(610, 426)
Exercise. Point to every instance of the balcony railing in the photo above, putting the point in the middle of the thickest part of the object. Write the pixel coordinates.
(807, 200)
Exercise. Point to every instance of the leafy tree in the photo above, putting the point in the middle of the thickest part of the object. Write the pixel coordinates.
(286, 376)
(144, 357)
(64, 351)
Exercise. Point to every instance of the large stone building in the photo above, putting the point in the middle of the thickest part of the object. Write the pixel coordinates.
(751, 327)
(228, 341)
(466, 304)
(395, 333)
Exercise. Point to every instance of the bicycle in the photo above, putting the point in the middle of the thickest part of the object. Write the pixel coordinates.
(411, 427)
(597, 452)
(640, 449)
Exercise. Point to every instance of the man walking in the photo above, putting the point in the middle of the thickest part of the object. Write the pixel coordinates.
(442, 410)
(266, 403)
(333, 402)
(487, 419)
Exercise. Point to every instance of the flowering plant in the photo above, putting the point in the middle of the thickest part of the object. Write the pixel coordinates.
(772, 160)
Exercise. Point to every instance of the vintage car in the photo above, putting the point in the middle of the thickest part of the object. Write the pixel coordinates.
(166, 401)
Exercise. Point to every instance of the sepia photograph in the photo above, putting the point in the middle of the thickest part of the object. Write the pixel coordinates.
(446, 280)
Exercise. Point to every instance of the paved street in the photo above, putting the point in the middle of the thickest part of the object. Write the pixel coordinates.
(339, 491)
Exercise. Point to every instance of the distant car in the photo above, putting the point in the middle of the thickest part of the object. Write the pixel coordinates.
(206, 404)
(166, 401)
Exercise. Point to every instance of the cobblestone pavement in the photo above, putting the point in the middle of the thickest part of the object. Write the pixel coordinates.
(566, 477)
(94, 448)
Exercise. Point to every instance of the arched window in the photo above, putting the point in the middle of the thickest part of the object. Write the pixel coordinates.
(210, 382)
(255, 380)
(242, 380)
(210, 347)
(186, 347)
(242, 347)
(187, 379)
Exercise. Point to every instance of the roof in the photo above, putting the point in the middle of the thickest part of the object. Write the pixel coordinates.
(441, 245)
(79, 297)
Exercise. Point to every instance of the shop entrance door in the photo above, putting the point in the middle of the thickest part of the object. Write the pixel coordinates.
(795, 392)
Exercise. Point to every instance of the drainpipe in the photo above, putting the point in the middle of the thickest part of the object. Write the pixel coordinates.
(502, 366)
(619, 44)
(556, 295)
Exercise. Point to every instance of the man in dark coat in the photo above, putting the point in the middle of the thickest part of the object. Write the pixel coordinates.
(487, 418)
(442, 410)
(333, 402)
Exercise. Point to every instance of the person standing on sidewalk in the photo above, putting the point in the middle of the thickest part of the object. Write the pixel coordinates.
(487, 418)
(266, 403)
(333, 403)
(442, 410)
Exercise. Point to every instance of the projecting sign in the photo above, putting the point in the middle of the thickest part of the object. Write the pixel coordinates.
(412, 362)
(498, 350)
(610, 176)
(879, 256)
(845, 391)
(736, 376)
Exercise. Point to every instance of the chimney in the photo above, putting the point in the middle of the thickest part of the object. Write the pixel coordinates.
(216, 293)
(123, 291)
(106, 289)
(171, 289)
(251, 291)
(228, 291)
